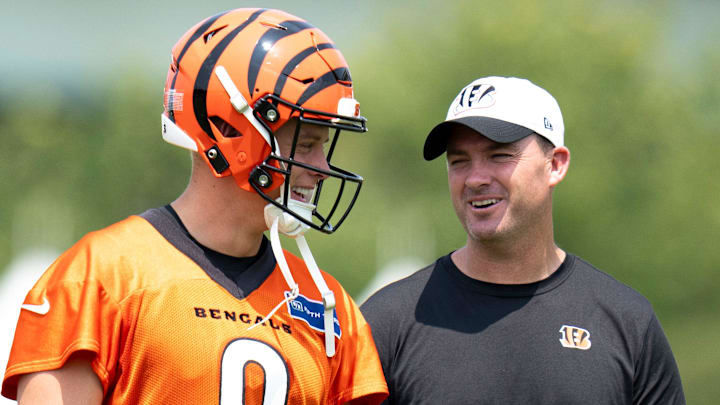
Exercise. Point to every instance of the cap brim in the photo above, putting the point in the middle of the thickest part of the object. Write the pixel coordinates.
(491, 128)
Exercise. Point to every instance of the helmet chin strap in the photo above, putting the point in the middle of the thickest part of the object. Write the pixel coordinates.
(280, 221)
(288, 224)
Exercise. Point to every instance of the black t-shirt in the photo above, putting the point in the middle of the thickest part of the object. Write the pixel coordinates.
(577, 337)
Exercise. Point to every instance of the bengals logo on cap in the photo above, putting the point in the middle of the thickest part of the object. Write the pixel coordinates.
(474, 95)
(574, 338)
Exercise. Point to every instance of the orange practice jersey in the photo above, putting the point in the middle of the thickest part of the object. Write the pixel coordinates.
(165, 332)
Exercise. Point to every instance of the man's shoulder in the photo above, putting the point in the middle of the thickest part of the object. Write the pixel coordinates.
(114, 235)
(607, 288)
(115, 252)
(403, 292)
(130, 236)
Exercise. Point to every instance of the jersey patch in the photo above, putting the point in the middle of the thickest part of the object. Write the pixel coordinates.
(573, 337)
(311, 312)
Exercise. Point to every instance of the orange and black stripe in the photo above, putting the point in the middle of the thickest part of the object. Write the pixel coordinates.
(176, 60)
(203, 76)
(266, 42)
(290, 66)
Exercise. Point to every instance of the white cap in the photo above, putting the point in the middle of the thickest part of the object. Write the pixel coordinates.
(503, 109)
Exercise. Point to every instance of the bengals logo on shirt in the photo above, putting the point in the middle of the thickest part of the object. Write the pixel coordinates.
(574, 338)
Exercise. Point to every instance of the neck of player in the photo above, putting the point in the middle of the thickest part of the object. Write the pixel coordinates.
(220, 215)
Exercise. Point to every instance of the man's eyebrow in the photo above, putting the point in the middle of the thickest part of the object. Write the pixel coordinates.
(511, 146)
(450, 150)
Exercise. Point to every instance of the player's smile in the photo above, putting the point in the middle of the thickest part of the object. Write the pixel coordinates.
(303, 194)
(309, 150)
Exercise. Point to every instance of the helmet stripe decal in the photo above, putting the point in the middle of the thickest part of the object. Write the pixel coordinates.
(203, 77)
(201, 29)
(290, 66)
(266, 42)
(205, 25)
(323, 82)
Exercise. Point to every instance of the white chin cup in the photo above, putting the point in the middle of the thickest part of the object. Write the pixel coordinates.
(288, 224)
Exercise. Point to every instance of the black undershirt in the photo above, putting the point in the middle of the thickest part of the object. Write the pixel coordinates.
(229, 264)
(239, 275)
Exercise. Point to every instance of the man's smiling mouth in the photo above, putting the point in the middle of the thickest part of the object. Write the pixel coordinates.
(302, 193)
(484, 203)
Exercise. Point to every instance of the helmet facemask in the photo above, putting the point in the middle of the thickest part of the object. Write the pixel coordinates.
(334, 195)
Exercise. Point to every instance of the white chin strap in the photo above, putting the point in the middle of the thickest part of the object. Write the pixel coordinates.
(280, 221)
(288, 224)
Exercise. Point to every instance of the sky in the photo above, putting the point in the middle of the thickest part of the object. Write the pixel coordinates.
(74, 42)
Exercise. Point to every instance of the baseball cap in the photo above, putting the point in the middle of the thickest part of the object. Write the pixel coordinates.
(503, 109)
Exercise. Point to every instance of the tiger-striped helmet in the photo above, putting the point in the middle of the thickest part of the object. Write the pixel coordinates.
(236, 78)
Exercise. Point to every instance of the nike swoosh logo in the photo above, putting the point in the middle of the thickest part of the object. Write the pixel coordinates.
(41, 309)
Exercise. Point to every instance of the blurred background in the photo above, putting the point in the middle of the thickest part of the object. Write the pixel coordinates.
(81, 87)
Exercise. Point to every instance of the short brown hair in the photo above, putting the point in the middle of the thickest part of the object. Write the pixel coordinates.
(545, 144)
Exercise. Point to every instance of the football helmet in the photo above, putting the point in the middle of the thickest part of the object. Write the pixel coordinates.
(235, 79)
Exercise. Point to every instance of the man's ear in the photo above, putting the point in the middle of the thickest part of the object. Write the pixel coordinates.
(559, 165)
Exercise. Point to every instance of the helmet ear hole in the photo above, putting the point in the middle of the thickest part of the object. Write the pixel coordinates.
(227, 130)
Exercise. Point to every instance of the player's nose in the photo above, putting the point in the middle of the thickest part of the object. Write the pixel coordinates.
(319, 160)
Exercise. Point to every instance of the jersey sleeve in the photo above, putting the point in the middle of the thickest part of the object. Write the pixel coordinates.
(358, 375)
(68, 310)
(657, 379)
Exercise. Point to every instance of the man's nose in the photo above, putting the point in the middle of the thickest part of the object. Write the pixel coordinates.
(319, 160)
(479, 175)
